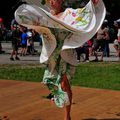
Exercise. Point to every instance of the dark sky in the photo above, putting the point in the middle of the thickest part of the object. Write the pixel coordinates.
(7, 8)
(113, 6)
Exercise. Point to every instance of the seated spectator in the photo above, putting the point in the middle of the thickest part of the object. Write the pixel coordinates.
(83, 50)
(99, 43)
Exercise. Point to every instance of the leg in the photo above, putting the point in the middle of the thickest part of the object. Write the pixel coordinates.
(116, 48)
(12, 53)
(22, 49)
(90, 51)
(16, 55)
(67, 88)
(11, 58)
(96, 56)
(95, 48)
(102, 45)
(119, 51)
(102, 55)
(86, 50)
(106, 49)
(78, 54)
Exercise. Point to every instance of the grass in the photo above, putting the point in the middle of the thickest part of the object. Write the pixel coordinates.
(94, 75)
(98, 75)
(23, 73)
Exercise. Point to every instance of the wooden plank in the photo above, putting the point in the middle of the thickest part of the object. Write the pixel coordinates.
(24, 101)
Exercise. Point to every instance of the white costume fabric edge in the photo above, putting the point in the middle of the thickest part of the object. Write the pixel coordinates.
(34, 14)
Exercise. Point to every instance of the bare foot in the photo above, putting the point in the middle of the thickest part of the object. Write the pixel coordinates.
(68, 118)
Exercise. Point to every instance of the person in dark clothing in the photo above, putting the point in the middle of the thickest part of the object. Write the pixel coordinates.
(1, 33)
(83, 50)
(0, 40)
(15, 43)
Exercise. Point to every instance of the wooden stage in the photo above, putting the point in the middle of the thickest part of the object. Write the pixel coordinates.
(25, 101)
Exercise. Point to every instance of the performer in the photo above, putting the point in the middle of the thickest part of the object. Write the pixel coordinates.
(63, 31)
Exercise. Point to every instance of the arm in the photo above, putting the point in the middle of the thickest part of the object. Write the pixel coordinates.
(106, 37)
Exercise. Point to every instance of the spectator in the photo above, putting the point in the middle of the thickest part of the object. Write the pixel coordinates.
(15, 43)
(24, 38)
(107, 39)
(118, 35)
(36, 37)
(116, 44)
(83, 50)
(1, 33)
(29, 42)
(115, 28)
(99, 43)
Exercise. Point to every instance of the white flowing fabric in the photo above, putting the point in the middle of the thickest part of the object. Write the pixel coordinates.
(82, 23)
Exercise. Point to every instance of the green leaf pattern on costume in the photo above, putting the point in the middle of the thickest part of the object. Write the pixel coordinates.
(82, 17)
(53, 78)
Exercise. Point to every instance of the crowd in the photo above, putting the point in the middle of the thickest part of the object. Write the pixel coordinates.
(23, 39)
(99, 44)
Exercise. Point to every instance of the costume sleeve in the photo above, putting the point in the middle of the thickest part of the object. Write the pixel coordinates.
(82, 23)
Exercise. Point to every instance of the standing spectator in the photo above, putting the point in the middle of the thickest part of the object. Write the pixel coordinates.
(29, 42)
(116, 44)
(107, 39)
(1, 33)
(99, 43)
(115, 29)
(24, 38)
(0, 38)
(36, 37)
(15, 43)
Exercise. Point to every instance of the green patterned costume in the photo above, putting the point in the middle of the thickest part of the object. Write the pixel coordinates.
(61, 35)
(55, 69)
